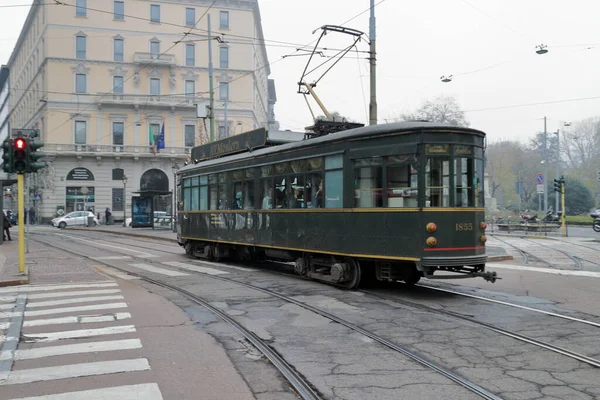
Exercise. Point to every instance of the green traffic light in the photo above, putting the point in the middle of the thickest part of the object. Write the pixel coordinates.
(33, 165)
(7, 156)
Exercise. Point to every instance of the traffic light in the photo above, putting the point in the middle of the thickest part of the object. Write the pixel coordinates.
(7, 156)
(20, 148)
(557, 185)
(33, 165)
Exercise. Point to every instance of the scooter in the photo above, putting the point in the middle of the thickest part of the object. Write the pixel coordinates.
(596, 217)
(526, 218)
(550, 217)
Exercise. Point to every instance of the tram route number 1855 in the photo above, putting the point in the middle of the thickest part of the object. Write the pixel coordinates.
(464, 226)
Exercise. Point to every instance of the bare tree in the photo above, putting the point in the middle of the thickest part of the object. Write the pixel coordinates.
(581, 144)
(442, 109)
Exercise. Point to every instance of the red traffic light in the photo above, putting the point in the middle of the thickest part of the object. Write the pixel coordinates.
(20, 144)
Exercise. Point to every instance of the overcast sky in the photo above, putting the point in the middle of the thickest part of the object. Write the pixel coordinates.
(488, 46)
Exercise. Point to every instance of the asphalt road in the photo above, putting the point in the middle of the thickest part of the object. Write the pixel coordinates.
(342, 363)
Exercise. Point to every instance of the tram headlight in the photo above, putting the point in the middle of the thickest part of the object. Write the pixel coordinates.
(431, 227)
(483, 239)
(483, 226)
(431, 241)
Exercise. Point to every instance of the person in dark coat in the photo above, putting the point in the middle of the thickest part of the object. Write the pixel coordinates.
(32, 216)
(107, 215)
(6, 224)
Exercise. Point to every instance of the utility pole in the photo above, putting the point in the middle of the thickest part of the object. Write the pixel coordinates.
(373, 64)
(545, 167)
(210, 83)
(226, 114)
(557, 172)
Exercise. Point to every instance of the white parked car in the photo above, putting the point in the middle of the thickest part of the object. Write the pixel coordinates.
(160, 218)
(75, 218)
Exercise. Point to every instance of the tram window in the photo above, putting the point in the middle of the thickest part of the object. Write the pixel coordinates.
(368, 183)
(248, 195)
(334, 162)
(437, 182)
(267, 193)
(402, 181)
(213, 196)
(282, 190)
(463, 182)
(187, 193)
(479, 193)
(314, 191)
(315, 164)
(204, 192)
(334, 189)
(237, 203)
(296, 197)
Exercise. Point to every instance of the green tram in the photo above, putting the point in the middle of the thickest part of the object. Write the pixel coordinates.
(389, 202)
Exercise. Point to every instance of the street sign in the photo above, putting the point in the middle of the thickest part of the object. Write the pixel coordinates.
(539, 179)
(540, 189)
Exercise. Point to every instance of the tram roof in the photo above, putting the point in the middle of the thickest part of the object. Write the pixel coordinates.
(370, 130)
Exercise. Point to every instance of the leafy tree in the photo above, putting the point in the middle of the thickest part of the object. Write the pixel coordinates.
(442, 109)
(578, 198)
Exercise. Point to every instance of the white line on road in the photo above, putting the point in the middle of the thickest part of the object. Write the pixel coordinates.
(5, 299)
(44, 288)
(73, 371)
(49, 303)
(224, 265)
(81, 319)
(70, 294)
(149, 256)
(190, 267)
(81, 333)
(110, 246)
(588, 274)
(64, 310)
(7, 306)
(111, 258)
(79, 348)
(156, 270)
(146, 391)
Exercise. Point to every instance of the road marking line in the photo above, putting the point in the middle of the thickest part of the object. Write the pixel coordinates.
(6, 299)
(73, 371)
(81, 319)
(7, 306)
(111, 258)
(64, 310)
(44, 288)
(588, 274)
(49, 303)
(156, 270)
(116, 273)
(149, 256)
(81, 333)
(4, 325)
(224, 265)
(203, 270)
(146, 391)
(79, 348)
(110, 246)
(69, 294)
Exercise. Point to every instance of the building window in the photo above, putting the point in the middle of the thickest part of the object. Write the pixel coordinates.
(190, 16)
(80, 47)
(118, 49)
(118, 129)
(190, 136)
(155, 47)
(117, 174)
(224, 91)
(154, 13)
(80, 83)
(224, 20)
(117, 199)
(190, 55)
(81, 8)
(80, 132)
(190, 88)
(119, 10)
(155, 86)
(224, 57)
(118, 84)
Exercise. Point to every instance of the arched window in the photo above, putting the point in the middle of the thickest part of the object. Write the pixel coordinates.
(154, 180)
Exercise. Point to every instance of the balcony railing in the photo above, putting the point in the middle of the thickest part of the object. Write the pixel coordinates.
(148, 99)
(99, 149)
(155, 59)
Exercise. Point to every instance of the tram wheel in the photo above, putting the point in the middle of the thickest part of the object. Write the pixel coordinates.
(413, 278)
(356, 272)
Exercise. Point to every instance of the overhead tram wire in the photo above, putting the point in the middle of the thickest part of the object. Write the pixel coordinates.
(533, 104)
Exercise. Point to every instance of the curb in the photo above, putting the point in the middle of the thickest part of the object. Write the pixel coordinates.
(500, 258)
(138, 235)
(16, 282)
(523, 236)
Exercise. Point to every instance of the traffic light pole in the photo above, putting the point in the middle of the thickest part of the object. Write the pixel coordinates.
(21, 219)
(564, 214)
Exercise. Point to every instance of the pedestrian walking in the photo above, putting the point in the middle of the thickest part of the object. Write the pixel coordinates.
(6, 225)
(32, 216)
(107, 215)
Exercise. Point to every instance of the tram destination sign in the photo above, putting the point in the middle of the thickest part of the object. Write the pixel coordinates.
(231, 145)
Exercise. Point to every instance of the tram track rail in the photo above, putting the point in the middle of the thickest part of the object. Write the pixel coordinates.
(303, 388)
(527, 257)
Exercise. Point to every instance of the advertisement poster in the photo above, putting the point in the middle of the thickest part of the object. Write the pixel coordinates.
(142, 213)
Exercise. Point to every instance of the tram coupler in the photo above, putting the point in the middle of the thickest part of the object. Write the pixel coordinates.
(488, 276)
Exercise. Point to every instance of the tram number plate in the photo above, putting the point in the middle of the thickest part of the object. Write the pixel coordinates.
(464, 226)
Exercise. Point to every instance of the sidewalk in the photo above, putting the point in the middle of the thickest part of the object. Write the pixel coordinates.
(9, 264)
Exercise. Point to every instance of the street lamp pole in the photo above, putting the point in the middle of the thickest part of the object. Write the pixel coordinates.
(124, 200)
(175, 168)
(545, 167)
(557, 200)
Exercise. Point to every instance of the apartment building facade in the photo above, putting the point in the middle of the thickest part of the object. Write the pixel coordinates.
(4, 109)
(114, 86)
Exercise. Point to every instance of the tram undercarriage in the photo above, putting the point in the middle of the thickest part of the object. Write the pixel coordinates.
(346, 272)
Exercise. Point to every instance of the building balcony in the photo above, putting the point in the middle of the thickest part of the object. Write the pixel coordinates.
(155, 59)
(100, 150)
(137, 100)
